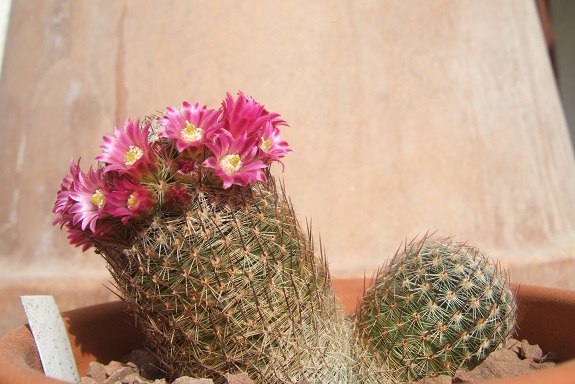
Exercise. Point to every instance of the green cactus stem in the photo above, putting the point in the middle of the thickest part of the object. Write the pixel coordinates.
(437, 307)
(232, 284)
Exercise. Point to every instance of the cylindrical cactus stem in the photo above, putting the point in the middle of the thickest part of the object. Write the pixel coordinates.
(438, 306)
(232, 284)
(204, 248)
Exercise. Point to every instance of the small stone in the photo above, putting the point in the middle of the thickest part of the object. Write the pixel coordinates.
(147, 363)
(97, 371)
(134, 366)
(112, 367)
(544, 365)
(88, 380)
(134, 378)
(550, 357)
(119, 375)
(160, 381)
(191, 380)
(238, 378)
(513, 345)
(532, 352)
(499, 364)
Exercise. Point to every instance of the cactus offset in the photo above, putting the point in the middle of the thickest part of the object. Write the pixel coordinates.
(437, 307)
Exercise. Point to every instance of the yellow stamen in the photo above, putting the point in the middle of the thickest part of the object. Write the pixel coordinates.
(191, 133)
(133, 200)
(266, 144)
(98, 198)
(231, 164)
(134, 154)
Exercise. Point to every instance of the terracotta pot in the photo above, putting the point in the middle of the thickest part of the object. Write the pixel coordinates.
(105, 332)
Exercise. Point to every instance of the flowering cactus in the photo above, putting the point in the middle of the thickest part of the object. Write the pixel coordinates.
(204, 248)
(186, 149)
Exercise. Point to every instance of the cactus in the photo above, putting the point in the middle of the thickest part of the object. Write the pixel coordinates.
(205, 250)
(437, 307)
(209, 255)
(233, 285)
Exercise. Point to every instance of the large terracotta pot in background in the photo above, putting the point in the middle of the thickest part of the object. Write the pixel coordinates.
(105, 332)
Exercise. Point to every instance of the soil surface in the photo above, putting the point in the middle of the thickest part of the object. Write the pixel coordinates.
(141, 367)
(516, 358)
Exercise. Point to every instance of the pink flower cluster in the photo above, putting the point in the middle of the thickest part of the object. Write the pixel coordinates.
(232, 145)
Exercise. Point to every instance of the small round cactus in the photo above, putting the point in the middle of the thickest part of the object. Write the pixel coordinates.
(437, 307)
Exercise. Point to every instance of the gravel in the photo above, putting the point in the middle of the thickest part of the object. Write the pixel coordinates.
(141, 367)
(516, 358)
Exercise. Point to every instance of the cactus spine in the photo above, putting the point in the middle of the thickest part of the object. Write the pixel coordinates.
(437, 307)
(232, 284)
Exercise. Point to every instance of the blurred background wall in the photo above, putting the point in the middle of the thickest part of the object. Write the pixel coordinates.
(405, 117)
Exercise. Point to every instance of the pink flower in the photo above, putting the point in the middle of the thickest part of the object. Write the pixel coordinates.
(271, 147)
(129, 200)
(74, 206)
(129, 152)
(79, 238)
(190, 126)
(88, 199)
(178, 197)
(108, 231)
(186, 169)
(245, 115)
(63, 201)
(234, 160)
(112, 203)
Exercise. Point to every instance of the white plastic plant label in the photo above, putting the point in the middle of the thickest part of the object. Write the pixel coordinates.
(51, 337)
